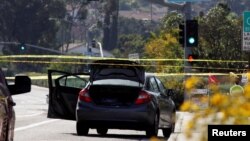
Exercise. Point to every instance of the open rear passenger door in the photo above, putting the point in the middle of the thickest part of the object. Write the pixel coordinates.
(63, 93)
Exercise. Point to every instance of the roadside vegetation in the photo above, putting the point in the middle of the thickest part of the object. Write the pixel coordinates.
(222, 108)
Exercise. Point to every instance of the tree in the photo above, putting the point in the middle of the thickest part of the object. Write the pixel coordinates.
(28, 21)
(220, 39)
(130, 43)
(110, 28)
(128, 26)
(238, 6)
(165, 44)
(171, 22)
(76, 14)
(131, 40)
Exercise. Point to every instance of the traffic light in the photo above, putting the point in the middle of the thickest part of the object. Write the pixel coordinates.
(182, 34)
(191, 33)
(93, 43)
(22, 47)
(191, 58)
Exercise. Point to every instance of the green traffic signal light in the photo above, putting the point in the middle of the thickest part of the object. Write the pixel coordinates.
(22, 48)
(191, 40)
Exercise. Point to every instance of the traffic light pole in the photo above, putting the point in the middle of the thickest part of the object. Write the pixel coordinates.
(33, 46)
(187, 50)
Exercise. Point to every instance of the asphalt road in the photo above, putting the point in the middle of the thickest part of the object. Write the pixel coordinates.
(32, 123)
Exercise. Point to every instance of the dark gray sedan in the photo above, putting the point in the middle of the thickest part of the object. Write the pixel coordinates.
(118, 95)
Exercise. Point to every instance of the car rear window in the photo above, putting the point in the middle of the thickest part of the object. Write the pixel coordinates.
(117, 71)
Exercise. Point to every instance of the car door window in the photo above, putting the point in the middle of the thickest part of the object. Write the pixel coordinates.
(64, 89)
(150, 87)
(153, 85)
(161, 86)
(72, 81)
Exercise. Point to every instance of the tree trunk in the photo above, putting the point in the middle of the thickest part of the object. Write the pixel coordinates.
(110, 27)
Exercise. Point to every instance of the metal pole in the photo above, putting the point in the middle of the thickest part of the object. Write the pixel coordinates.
(187, 50)
(100, 46)
(33, 46)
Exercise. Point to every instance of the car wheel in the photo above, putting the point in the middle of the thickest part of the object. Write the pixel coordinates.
(167, 131)
(153, 130)
(102, 131)
(81, 130)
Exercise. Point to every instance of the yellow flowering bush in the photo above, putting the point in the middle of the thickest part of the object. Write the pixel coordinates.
(223, 108)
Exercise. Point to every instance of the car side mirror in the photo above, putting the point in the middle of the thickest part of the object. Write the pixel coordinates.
(169, 92)
(22, 84)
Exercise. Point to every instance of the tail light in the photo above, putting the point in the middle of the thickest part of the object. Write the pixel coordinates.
(84, 95)
(143, 97)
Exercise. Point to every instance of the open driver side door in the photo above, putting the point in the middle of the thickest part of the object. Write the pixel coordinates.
(63, 93)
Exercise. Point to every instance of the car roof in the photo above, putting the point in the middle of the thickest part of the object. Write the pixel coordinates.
(113, 61)
(147, 74)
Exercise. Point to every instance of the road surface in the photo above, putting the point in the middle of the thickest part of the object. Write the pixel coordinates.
(32, 123)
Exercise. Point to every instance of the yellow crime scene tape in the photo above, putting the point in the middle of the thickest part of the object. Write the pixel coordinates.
(35, 60)
(45, 77)
(107, 58)
(88, 63)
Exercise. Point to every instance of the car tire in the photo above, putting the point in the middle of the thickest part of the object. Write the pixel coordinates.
(167, 131)
(102, 131)
(153, 130)
(81, 130)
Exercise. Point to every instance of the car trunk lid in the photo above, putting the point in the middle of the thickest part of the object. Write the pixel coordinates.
(117, 69)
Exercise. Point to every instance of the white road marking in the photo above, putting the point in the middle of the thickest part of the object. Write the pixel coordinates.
(35, 124)
(31, 115)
